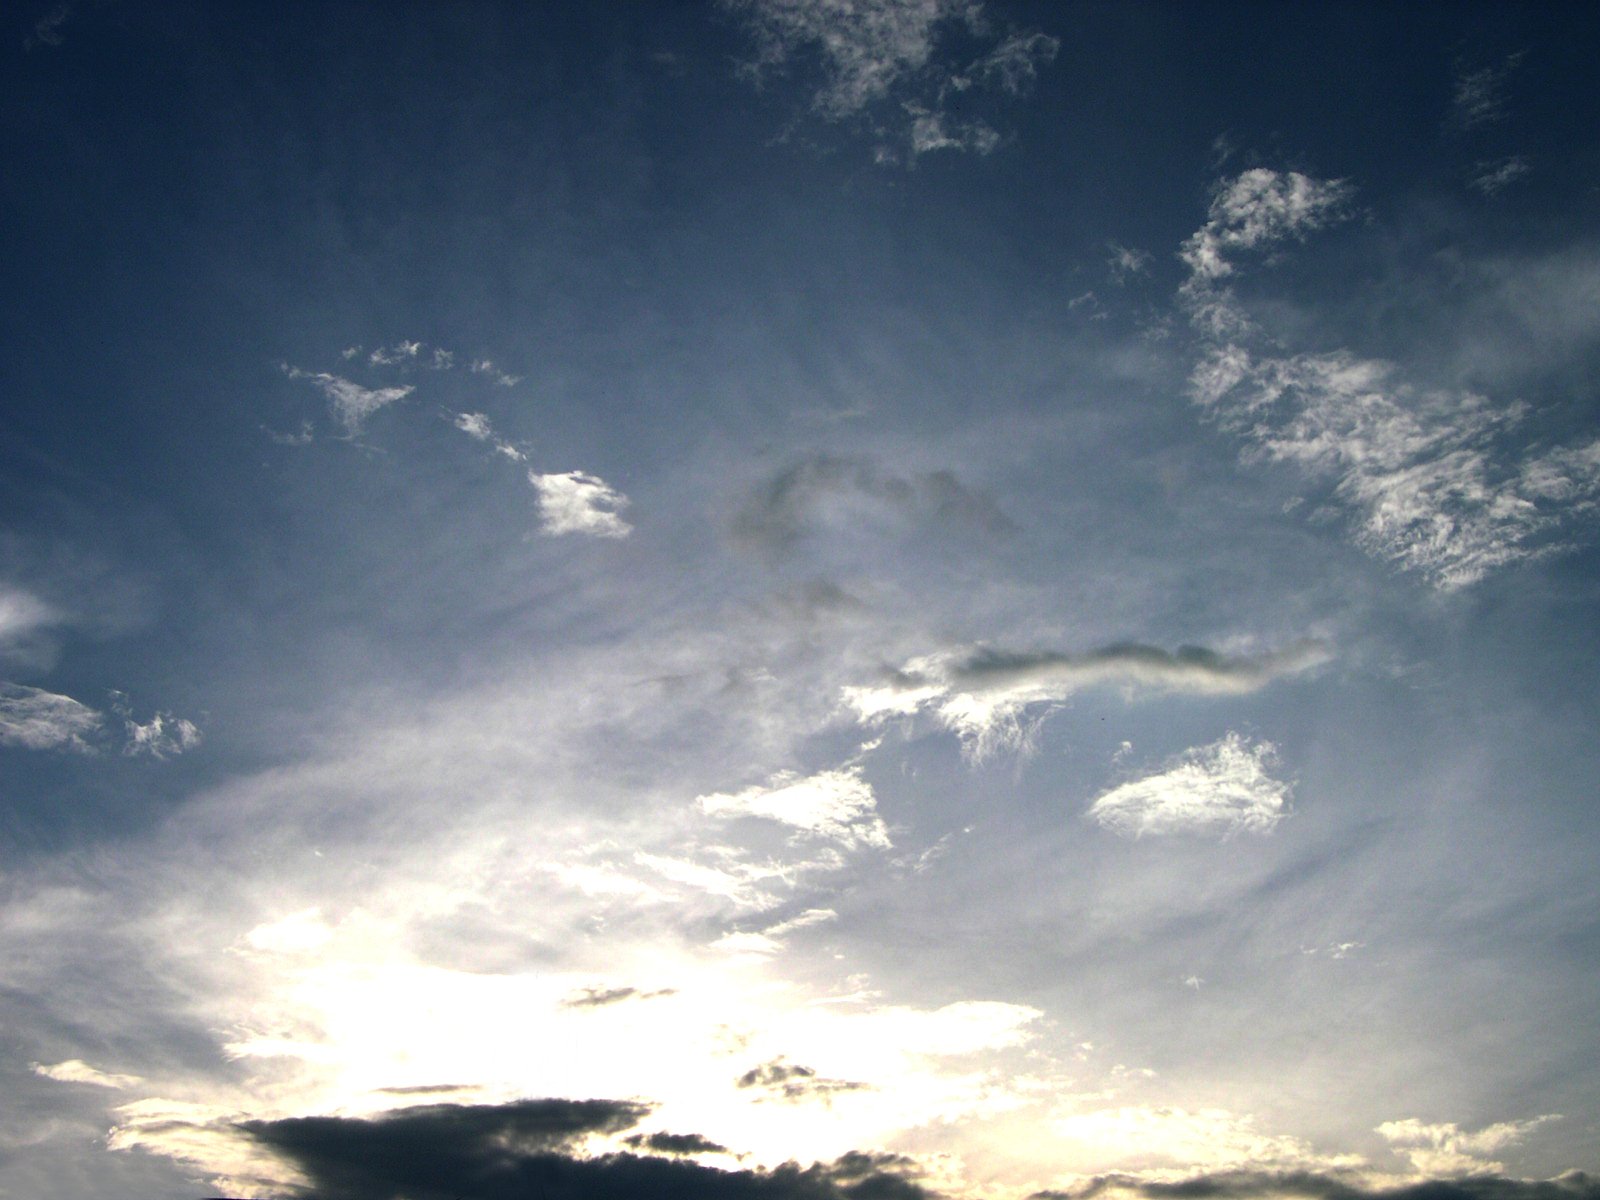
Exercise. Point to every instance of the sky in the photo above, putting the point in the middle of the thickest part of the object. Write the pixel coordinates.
(799, 600)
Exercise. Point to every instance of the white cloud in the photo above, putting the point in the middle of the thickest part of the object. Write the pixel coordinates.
(476, 425)
(1496, 175)
(484, 366)
(75, 1070)
(1479, 96)
(1256, 208)
(1445, 1149)
(1217, 790)
(1420, 473)
(21, 613)
(1141, 1138)
(838, 805)
(350, 403)
(34, 719)
(160, 736)
(1125, 261)
(398, 353)
(872, 52)
(573, 502)
(984, 695)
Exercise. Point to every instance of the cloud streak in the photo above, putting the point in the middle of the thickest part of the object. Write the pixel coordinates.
(984, 695)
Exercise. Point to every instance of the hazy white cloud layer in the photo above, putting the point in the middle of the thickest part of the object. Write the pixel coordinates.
(564, 632)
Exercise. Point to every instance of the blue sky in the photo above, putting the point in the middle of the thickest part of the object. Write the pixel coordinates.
(800, 599)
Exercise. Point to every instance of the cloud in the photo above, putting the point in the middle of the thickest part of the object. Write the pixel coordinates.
(34, 719)
(882, 56)
(349, 403)
(1312, 1185)
(600, 997)
(24, 624)
(1124, 261)
(1446, 1149)
(398, 353)
(47, 29)
(573, 502)
(983, 695)
(837, 805)
(511, 1152)
(1495, 175)
(1421, 473)
(1478, 96)
(1254, 209)
(75, 1070)
(160, 736)
(483, 366)
(840, 493)
(791, 1081)
(476, 425)
(675, 1143)
(1157, 1139)
(1211, 791)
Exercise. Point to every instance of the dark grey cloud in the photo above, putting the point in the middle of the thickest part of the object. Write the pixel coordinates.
(522, 1150)
(791, 1081)
(599, 997)
(1245, 1185)
(675, 1143)
(848, 491)
(1188, 667)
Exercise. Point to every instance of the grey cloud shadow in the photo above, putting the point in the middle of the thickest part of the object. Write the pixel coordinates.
(523, 1150)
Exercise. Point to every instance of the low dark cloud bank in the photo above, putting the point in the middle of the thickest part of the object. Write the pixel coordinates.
(524, 1151)
(1247, 1185)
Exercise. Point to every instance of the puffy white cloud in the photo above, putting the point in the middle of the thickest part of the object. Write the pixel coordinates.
(574, 502)
(34, 719)
(1445, 1149)
(160, 736)
(1217, 790)
(476, 425)
(838, 805)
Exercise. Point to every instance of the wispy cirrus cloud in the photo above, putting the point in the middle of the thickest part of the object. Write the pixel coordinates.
(349, 403)
(1495, 175)
(883, 59)
(1478, 96)
(1219, 790)
(985, 695)
(1427, 477)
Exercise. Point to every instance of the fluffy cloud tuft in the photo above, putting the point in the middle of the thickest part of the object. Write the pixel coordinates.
(34, 719)
(1211, 791)
(838, 805)
(573, 502)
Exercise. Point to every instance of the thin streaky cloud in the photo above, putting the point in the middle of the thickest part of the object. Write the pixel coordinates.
(837, 805)
(1478, 97)
(1495, 175)
(75, 1070)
